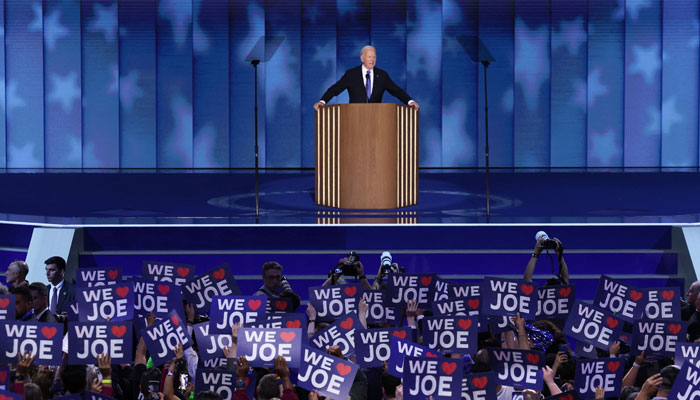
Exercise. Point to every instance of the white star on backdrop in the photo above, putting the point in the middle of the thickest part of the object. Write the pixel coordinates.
(530, 55)
(65, 91)
(603, 146)
(53, 30)
(179, 14)
(37, 24)
(105, 21)
(13, 101)
(647, 61)
(22, 156)
(421, 38)
(669, 115)
(200, 40)
(586, 94)
(630, 8)
(129, 90)
(571, 34)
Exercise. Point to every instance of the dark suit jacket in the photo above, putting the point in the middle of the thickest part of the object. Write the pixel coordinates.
(65, 297)
(46, 317)
(354, 82)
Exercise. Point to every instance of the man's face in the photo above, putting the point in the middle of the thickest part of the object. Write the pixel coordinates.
(369, 58)
(693, 291)
(12, 274)
(53, 274)
(38, 301)
(272, 279)
(22, 307)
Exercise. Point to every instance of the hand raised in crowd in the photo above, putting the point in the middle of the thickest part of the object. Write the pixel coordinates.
(313, 395)
(150, 319)
(335, 351)
(639, 360)
(560, 359)
(399, 392)
(96, 386)
(599, 393)
(411, 312)
(547, 374)
(651, 386)
(281, 367)
(104, 363)
(179, 351)
(25, 362)
(615, 348)
(243, 368)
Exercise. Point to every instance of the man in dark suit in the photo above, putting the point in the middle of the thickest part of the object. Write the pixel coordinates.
(61, 293)
(366, 83)
(40, 304)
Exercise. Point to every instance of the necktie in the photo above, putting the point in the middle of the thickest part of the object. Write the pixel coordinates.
(54, 300)
(368, 86)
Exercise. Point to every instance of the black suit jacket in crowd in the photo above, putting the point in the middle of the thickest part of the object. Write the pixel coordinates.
(354, 82)
(65, 297)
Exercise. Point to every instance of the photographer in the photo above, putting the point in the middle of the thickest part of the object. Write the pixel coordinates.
(348, 266)
(385, 268)
(276, 285)
(545, 243)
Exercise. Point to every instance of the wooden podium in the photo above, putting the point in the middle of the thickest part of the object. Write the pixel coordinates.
(367, 156)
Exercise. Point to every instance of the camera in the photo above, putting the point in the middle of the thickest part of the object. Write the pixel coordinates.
(547, 243)
(348, 265)
(184, 381)
(386, 262)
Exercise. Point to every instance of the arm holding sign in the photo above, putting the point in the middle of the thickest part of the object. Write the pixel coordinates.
(168, 385)
(311, 313)
(283, 372)
(650, 387)
(548, 377)
(530, 268)
(242, 373)
(22, 373)
(104, 364)
(631, 375)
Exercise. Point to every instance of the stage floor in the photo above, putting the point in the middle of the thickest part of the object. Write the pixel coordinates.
(286, 197)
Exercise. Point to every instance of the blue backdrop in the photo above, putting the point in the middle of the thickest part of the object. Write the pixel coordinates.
(163, 83)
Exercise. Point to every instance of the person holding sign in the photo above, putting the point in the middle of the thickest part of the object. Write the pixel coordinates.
(275, 285)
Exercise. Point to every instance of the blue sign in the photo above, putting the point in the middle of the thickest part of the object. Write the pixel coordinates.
(157, 297)
(211, 345)
(200, 290)
(509, 297)
(687, 352)
(227, 310)
(401, 349)
(328, 375)
(657, 337)
(663, 304)
(95, 277)
(555, 302)
(424, 377)
(603, 372)
(42, 339)
(479, 386)
(687, 383)
(332, 302)
(87, 340)
(340, 333)
(451, 334)
(373, 346)
(100, 303)
(378, 310)
(625, 301)
(593, 326)
(7, 307)
(167, 272)
(260, 346)
(405, 287)
(518, 368)
(164, 335)
(222, 382)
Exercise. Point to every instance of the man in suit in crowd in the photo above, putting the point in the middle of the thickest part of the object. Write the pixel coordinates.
(17, 273)
(366, 83)
(40, 304)
(61, 293)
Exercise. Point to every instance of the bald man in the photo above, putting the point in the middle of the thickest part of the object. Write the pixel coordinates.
(366, 83)
(17, 273)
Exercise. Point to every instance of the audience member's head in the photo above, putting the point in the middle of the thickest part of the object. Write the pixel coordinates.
(74, 378)
(32, 392)
(389, 384)
(268, 387)
(668, 376)
(55, 268)
(39, 300)
(272, 275)
(693, 291)
(208, 395)
(23, 301)
(17, 273)
(150, 382)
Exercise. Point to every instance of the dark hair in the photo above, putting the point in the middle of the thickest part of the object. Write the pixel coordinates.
(207, 395)
(271, 265)
(74, 378)
(268, 387)
(58, 261)
(38, 287)
(389, 384)
(151, 374)
(668, 375)
(32, 391)
(22, 291)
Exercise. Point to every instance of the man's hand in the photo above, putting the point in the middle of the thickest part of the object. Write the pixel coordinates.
(415, 105)
(560, 359)
(615, 348)
(651, 385)
(24, 362)
(243, 367)
(179, 351)
(335, 351)
(363, 307)
(104, 363)
(319, 104)
(547, 374)
(599, 393)
(281, 367)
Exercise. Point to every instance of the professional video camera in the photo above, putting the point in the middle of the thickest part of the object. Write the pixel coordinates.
(349, 265)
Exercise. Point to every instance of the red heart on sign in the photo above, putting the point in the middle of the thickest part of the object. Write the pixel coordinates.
(3, 397)
(48, 332)
(399, 334)
(674, 328)
(122, 291)
(425, 281)
(288, 336)
(449, 367)
(533, 358)
(612, 322)
(347, 324)
(480, 383)
(464, 324)
(113, 273)
(219, 274)
(4, 303)
(118, 330)
(635, 295)
(280, 305)
(163, 289)
(175, 320)
(613, 365)
(254, 304)
(527, 289)
(343, 369)
(473, 304)
(3, 376)
(350, 291)
(668, 294)
(564, 292)
(429, 354)
(294, 324)
(182, 271)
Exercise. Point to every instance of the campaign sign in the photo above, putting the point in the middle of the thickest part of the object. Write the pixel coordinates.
(470, 306)
(426, 376)
(555, 302)
(332, 302)
(114, 302)
(604, 372)
(404, 348)
(4, 377)
(6, 395)
(260, 345)
(40, 338)
(626, 302)
(373, 346)
(519, 368)
(95, 277)
(200, 290)
(339, 333)
(211, 345)
(585, 350)
(593, 326)
(222, 382)
(445, 289)
(7, 307)
(451, 334)
(568, 395)
(87, 340)
(687, 383)
(509, 297)
(657, 337)
(227, 310)
(162, 337)
(167, 272)
(157, 297)
(213, 363)
(663, 303)
(479, 386)
(377, 311)
(405, 287)
(73, 313)
(279, 305)
(328, 375)
(687, 352)
(278, 321)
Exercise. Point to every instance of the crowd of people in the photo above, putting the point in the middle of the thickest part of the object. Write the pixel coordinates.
(644, 379)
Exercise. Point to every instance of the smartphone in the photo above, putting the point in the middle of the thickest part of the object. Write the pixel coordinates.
(517, 395)
(564, 348)
(184, 381)
(153, 387)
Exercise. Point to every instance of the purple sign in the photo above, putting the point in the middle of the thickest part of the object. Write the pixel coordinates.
(518, 368)
(569, 395)
(114, 302)
(40, 338)
(481, 386)
(585, 350)
(373, 346)
(167, 272)
(604, 372)
(445, 289)
(7, 307)
(162, 337)
(424, 377)
(278, 321)
(340, 333)
(451, 334)
(211, 345)
(470, 306)
(378, 311)
(555, 302)
(330, 376)
(7, 395)
(4, 377)
(332, 302)
(405, 287)
(663, 303)
(222, 382)
(687, 352)
(509, 297)
(279, 305)
(157, 297)
(657, 337)
(200, 290)
(227, 310)
(687, 383)
(87, 340)
(626, 302)
(260, 346)
(593, 326)
(404, 348)
(96, 277)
